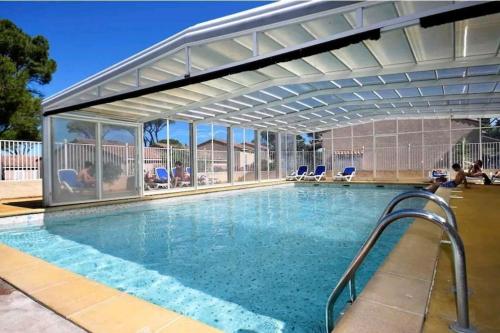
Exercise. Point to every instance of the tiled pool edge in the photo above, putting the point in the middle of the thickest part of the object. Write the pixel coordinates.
(396, 297)
(88, 304)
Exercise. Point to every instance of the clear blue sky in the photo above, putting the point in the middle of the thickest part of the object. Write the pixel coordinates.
(88, 37)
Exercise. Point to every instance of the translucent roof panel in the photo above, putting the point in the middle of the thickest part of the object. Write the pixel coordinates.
(257, 71)
(421, 76)
(476, 88)
(454, 89)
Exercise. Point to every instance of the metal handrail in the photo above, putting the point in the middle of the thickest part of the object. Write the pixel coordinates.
(450, 218)
(462, 324)
(450, 215)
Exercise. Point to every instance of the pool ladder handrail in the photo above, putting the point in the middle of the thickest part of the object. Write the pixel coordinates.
(448, 225)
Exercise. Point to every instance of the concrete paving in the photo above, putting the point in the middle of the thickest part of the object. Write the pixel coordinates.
(20, 314)
(478, 220)
(20, 189)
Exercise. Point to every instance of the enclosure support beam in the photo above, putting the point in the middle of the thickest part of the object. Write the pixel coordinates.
(480, 142)
(333, 155)
(139, 155)
(230, 155)
(193, 155)
(374, 157)
(423, 151)
(294, 152)
(169, 153)
(258, 172)
(450, 151)
(98, 164)
(277, 155)
(397, 149)
(46, 162)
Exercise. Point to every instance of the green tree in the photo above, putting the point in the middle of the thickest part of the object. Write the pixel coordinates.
(24, 63)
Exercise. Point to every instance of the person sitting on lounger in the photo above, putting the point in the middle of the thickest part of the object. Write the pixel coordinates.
(476, 171)
(85, 175)
(179, 175)
(459, 179)
(149, 179)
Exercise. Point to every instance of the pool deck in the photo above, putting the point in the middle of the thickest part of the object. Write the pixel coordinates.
(478, 216)
(21, 314)
(395, 300)
(88, 304)
(405, 296)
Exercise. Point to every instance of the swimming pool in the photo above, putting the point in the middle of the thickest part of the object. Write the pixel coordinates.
(262, 260)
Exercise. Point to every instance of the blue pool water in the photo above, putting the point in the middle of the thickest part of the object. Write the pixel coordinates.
(243, 261)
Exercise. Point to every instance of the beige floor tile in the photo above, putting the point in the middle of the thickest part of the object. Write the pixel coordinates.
(369, 317)
(37, 276)
(12, 260)
(413, 257)
(123, 314)
(74, 295)
(399, 292)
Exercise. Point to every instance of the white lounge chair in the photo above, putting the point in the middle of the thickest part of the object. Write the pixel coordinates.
(299, 174)
(319, 174)
(438, 173)
(475, 180)
(347, 174)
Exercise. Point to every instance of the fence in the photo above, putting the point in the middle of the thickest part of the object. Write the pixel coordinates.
(22, 160)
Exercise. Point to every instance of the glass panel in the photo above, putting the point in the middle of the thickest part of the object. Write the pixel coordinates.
(436, 125)
(119, 162)
(464, 123)
(180, 153)
(273, 156)
(204, 141)
(385, 127)
(73, 160)
(212, 154)
(244, 154)
(219, 161)
(264, 155)
(410, 125)
(156, 154)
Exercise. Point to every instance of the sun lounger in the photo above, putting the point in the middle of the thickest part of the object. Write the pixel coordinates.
(68, 178)
(347, 174)
(437, 174)
(162, 177)
(475, 180)
(319, 174)
(299, 174)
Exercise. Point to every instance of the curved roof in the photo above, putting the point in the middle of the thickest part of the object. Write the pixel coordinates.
(303, 67)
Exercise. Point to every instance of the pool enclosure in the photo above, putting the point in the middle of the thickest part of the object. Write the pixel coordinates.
(395, 89)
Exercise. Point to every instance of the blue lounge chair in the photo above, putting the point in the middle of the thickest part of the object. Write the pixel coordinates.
(319, 174)
(347, 174)
(68, 178)
(299, 174)
(162, 177)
